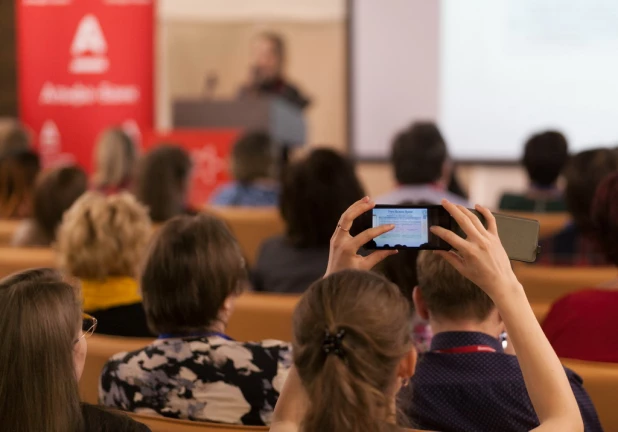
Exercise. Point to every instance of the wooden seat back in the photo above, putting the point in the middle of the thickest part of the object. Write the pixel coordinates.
(547, 284)
(260, 316)
(100, 349)
(601, 382)
(251, 226)
(13, 260)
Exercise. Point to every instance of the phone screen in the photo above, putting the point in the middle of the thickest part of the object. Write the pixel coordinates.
(412, 225)
(411, 228)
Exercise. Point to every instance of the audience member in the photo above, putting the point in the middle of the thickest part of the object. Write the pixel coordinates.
(115, 157)
(422, 166)
(352, 351)
(14, 138)
(582, 324)
(194, 370)
(315, 191)
(18, 171)
(101, 241)
(253, 166)
(575, 244)
(487, 392)
(545, 156)
(44, 344)
(54, 193)
(162, 182)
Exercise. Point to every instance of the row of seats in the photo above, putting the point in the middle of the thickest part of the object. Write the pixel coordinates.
(168, 425)
(543, 285)
(252, 226)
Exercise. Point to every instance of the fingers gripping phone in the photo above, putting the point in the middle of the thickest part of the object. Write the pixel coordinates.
(519, 236)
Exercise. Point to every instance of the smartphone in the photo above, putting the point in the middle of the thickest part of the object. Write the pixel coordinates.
(519, 236)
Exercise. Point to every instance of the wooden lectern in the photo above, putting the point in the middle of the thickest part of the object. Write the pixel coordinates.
(283, 121)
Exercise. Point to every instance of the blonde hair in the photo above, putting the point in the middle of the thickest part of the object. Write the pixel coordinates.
(114, 159)
(103, 236)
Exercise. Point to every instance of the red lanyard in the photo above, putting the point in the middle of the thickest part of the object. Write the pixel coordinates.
(466, 349)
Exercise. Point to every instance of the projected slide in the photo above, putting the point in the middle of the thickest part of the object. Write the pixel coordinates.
(410, 227)
(490, 72)
(509, 68)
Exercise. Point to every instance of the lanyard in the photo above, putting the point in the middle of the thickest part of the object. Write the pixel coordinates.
(194, 335)
(466, 349)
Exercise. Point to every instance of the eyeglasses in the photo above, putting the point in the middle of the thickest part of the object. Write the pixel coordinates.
(89, 325)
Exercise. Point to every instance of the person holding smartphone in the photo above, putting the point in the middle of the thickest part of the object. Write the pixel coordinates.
(482, 259)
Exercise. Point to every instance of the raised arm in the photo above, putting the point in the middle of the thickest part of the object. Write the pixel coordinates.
(482, 259)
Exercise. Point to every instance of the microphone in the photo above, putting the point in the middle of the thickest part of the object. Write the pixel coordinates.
(210, 84)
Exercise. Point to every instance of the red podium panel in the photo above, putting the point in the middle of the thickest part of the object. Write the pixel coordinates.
(209, 149)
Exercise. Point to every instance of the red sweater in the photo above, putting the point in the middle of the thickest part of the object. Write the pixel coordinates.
(584, 325)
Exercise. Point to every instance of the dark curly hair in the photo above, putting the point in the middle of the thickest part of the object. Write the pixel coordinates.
(315, 192)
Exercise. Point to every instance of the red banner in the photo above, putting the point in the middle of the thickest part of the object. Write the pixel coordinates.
(83, 66)
(209, 150)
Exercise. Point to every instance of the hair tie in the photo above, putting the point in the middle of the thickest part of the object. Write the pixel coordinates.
(333, 343)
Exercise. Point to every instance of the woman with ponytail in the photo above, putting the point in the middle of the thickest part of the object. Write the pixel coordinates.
(352, 351)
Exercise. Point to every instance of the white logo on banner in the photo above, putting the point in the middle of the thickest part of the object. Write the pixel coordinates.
(49, 139)
(208, 164)
(89, 48)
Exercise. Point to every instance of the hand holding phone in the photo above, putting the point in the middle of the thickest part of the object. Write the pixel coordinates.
(343, 254)
(412, 230)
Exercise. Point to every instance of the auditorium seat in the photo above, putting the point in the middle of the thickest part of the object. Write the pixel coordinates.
(100, 349)
(550, 223)
(7, 229)
(601, 383)
(547, 284)
(160, 424)
(251, 226)
(540, 310)
(13, 260)
(259, 316)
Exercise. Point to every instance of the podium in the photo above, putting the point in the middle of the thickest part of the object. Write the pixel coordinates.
(283, 121)
(207, 129)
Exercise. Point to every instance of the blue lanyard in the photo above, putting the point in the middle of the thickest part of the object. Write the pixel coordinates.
(194, 335)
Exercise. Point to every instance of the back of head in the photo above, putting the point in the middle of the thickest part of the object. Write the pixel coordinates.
(545, 155)
(38, 385)
(162, 181)
(419, 154)
(400, 269)
(114, 159)
(55, 193)
(193, 266)
(447, 294)
(583, 174)
(103, 236)
(15, 139)
(18, 172)
(605, 217)
(362, 320)
(315, 192)
(253, 157)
